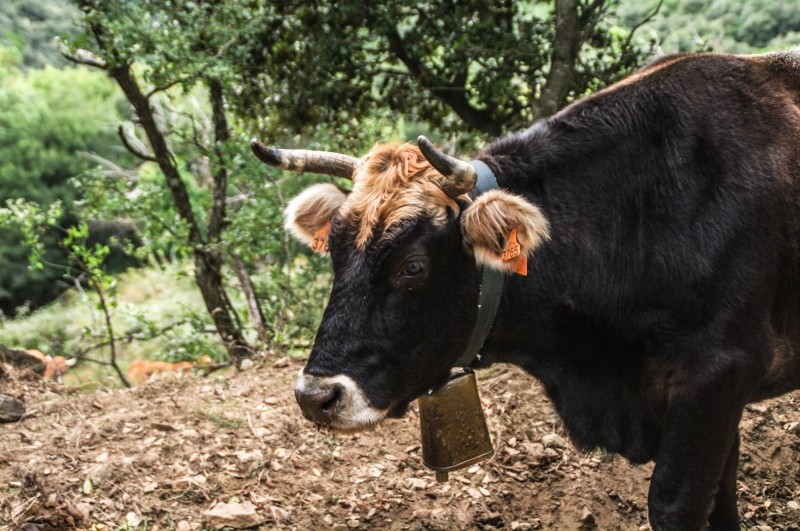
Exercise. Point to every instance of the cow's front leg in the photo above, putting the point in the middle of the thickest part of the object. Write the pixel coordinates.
(698, 453)
(725, 514)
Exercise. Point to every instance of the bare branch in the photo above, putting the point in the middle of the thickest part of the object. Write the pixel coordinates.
(642, 22)
(110, 169)
(224, 47)
(81, 56)
(134, 145)
(166, 86)
(129, 338)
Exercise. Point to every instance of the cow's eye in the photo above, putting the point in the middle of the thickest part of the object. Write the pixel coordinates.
(411, 268)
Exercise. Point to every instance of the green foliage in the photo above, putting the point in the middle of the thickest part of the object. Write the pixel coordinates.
(729, 26)
(156, 317)
(85, 261)
(333, 63)
(47, 118)
(29, 26)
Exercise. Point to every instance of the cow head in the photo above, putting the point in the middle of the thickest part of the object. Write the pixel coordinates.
(406, 246)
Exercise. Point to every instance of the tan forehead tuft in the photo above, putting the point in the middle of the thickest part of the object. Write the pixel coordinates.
(393, 185)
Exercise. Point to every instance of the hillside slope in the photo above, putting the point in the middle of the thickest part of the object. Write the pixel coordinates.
(164, 454)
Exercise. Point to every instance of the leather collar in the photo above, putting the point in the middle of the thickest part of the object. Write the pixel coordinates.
(492, 281)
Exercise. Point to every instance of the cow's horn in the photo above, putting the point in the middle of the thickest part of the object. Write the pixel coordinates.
(460, 176)
(300, 160)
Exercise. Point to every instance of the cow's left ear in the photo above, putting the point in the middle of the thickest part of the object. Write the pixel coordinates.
(308, 216)
(492, 223)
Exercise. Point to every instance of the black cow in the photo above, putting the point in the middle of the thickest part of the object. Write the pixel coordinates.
(660, 217)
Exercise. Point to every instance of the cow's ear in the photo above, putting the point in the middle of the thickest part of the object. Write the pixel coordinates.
(502, 229)
(308, 216)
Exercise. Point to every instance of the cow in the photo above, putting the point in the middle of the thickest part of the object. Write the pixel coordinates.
(54, 366)
(140, 371)
(660, 222)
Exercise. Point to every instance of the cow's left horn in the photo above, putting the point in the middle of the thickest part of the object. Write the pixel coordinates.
(300, 160)
(460, 176)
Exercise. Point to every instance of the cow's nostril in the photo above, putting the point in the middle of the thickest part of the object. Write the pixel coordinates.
(330, 405)
(319, 404)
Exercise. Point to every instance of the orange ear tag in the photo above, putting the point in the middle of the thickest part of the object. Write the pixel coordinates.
(320, 241)
(513, 251)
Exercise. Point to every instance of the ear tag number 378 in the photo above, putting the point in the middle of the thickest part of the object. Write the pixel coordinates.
(320, 242)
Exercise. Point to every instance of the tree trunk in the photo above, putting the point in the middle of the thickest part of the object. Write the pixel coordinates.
(220, 172)
(253, 307)
(566, 45)
(209, 280)
(207, 263)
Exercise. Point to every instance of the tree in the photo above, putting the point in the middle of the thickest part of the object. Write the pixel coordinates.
(494, 66)
(84, 262)
(29, 26)
(47, 117)
(169, 44)
(728, 26)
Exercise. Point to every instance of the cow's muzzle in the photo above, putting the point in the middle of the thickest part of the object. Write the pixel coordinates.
(336, 402)
(319, 404)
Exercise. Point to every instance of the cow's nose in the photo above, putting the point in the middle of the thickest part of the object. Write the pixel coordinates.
(319, 404)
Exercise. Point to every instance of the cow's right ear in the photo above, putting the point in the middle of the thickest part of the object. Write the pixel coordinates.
(502, 229)
(308, 215)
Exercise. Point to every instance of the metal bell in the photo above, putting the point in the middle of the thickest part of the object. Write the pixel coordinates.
(453, 428)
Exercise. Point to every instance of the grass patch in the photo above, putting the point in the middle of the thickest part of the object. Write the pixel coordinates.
(147, 299)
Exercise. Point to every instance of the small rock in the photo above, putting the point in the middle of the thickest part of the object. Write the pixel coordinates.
(235, 515)
(587, 519)
(552, 440)
(133, 519)
(281, 363)
(99, 474)
(415, 483)
(189, 482)
(245, 456)
(279, 514)
(793, 505)
(11, 409)
(80, 511)
(246, 364)
(183, 525)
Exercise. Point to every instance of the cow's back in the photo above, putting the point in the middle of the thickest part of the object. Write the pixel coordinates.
(673, 202)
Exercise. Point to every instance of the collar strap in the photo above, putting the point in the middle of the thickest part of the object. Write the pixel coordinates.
(492, 281)
(486, 179)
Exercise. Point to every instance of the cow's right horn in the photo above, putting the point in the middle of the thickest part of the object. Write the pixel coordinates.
(300, 160)
(460, 176)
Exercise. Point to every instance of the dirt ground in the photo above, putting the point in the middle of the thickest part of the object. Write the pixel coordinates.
(178, 452)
